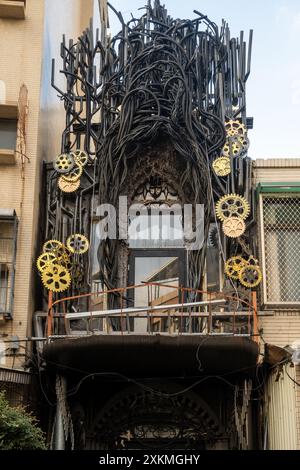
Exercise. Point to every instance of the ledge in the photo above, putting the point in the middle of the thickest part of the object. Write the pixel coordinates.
(12, 9)
(154, 355)
(7, 157)
(8, 110)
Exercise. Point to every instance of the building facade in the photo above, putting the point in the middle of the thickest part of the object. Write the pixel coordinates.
(166, 310)
(30, 33)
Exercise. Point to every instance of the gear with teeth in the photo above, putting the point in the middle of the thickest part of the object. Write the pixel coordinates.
(213, 237)
(234, 227)
(78, 244)
(234, 265)
(52, 245)
(221, 166)
(73, 175)
(238, 299)
(80, 157)
(235, 146)
(232, 205)
(68, 186)
(56, 278)
(64, 163)
(235, 128)
(250, 276)
(44, 260)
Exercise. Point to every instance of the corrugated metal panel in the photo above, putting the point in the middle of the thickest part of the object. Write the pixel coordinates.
(277, 163)
(280, 329)
(281, 411)
(269, 175)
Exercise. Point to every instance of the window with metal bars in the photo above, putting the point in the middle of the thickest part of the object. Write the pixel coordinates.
(8, 235)
(281, 247)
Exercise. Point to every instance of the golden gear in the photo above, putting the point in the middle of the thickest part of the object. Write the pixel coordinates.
(235, 128)
(80, 157)
(56, 278)
(64, 261)
(62, 254)
(44, 260)
(78, 244)
(221, 166)
(235, 146)
(234, 265)
(64, 163)
(252, 261)
(52, 245)
(234, 227)
(250, 276)
(68, 186)
(232, 205)
(74, 175)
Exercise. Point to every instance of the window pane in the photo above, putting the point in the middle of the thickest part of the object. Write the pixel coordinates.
(282, 248)
(8, 134)
(6, 265)
(160, 270)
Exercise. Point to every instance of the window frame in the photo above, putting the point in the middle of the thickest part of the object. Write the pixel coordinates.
(10, 217)
(269, 191)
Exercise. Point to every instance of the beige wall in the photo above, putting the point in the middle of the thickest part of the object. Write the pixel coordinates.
(69, 17)
(20, 62)
(26, 49)
(276, 170)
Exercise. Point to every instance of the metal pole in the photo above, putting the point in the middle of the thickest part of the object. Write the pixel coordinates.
(59, 437)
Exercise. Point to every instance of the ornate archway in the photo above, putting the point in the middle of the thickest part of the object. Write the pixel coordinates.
(138, 418)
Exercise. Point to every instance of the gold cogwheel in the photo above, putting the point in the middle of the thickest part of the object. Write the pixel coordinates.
(44, 260)
(234, 227)
(232, 205)
(80, 157)
(68, 186)
(56, 278)
(235, 128)
(78, 244)
(74, 175)
(52, 245)
(64, 163)
(252, 261)
(221, 166)
(250, 276)
(235, 146)
(234, 265)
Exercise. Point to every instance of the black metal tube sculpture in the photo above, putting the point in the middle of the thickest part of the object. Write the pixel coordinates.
(158, 80)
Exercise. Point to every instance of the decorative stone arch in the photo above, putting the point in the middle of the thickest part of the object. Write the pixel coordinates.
(137, 418)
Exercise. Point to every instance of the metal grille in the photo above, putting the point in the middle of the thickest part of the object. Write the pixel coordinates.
(281, 224)
(6, 266)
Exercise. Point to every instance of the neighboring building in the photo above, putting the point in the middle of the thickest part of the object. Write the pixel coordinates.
(31, 31)
(278, 190)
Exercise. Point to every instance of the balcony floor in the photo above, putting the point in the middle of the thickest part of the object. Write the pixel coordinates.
(158, 355)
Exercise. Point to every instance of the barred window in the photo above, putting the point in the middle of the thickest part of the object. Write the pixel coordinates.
(281, 233)
(8, 232)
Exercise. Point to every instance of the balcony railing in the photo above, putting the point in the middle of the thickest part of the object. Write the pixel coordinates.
(168, 310)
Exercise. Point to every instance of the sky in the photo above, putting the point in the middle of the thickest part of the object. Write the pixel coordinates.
(273, 88)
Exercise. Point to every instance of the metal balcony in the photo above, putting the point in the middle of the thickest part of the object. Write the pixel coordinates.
(161, 337)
